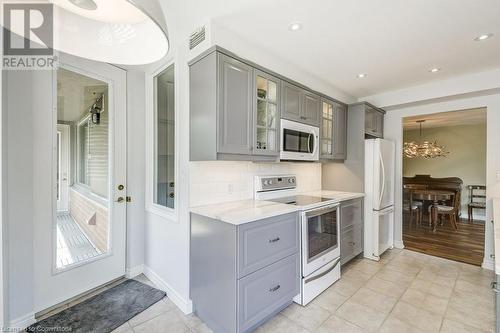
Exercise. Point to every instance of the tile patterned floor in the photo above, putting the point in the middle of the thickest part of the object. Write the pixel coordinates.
(404, 292)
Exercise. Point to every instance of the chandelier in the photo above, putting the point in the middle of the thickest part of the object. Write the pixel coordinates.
(423, 149)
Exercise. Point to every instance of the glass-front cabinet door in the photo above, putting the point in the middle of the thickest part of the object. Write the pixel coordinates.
(267, 114)
(327, 126)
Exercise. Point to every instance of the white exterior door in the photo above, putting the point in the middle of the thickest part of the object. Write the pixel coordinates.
(91, 98)
(63, 162)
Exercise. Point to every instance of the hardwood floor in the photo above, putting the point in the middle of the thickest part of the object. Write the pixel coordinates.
(465, 244)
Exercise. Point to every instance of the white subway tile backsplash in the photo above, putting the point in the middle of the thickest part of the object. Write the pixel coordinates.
(223, 181)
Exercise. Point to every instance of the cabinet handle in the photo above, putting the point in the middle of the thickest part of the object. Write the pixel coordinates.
(274, 240)
(352, 243)
(273, 289)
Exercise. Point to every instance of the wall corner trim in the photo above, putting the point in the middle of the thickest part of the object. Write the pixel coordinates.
(131, 272)
(488, 263)
(22, 322)
(186, 306)
(399, 244)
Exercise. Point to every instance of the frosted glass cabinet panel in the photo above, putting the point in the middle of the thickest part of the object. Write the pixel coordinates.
(333, 130)
(266, 114)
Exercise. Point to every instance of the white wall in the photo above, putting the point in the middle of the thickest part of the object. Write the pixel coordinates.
(466, 159)
(394, 131)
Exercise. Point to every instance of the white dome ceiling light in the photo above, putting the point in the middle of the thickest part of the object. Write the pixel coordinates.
(126, 32)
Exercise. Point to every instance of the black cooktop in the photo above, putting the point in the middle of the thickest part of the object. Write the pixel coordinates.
(300, 200)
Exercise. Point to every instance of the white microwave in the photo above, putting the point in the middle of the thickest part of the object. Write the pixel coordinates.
(299, 142)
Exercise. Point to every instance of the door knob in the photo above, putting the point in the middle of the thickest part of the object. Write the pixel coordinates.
(120, 199)
(121, 187)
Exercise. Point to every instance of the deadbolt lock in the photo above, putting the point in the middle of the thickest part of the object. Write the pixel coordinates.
(121, 187)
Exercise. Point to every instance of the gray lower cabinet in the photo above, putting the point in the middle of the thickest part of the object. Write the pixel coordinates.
(333, 130)
(351, 223)
(241, 275)
(300, 105)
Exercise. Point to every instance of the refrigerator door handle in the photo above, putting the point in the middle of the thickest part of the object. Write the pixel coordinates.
(383, 179)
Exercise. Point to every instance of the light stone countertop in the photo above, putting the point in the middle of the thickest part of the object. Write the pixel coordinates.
(244, 211)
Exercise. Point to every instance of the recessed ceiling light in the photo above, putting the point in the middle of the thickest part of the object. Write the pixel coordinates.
(483, 37)
(361, 75)
(295, 26)
(434, 70)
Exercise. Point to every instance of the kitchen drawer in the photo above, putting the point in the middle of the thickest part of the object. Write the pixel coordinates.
(351, 213)
(351, 243)
(266, 291)
(267, 241)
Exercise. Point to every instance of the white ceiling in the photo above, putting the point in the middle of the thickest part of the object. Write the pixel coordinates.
(394, 42)
(445, 119)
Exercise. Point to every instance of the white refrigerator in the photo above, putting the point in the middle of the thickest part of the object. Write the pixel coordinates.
(379, 197)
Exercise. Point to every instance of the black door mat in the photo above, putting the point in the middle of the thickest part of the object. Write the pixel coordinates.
(103, 312)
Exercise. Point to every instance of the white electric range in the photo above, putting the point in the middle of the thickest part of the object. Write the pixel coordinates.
(320, 232)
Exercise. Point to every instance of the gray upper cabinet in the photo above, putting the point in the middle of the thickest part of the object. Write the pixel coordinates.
(292, 102)
(234, 110)
(235, 106)
(300, 105)
(311, 109)
(333, 130)
(374, 121)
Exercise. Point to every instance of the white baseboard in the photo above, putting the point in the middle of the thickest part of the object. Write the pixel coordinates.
(21, 323)
(186, 306)
(488, 263)
(399, 245)
(132, 272)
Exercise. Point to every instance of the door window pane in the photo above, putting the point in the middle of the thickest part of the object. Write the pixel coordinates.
(82, 223)
(165, 139)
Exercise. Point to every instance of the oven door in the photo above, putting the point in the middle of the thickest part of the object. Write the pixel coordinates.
(298, 141)
(320, 237)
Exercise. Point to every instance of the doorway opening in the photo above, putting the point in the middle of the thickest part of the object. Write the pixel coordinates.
(444, 177)
(82, 177)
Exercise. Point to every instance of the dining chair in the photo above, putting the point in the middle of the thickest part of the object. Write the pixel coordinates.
(452, 210)
(411, 206)
(477, 199)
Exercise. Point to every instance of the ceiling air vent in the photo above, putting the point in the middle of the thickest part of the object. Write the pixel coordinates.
(197, 37)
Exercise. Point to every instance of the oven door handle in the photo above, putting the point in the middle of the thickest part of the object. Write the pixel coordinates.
(322, 210)
(320, 275)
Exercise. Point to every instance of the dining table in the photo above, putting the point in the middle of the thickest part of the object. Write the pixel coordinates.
(432, 195)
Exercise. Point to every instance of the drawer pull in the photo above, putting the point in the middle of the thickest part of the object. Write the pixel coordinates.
(352, 243)
(273, 289)
(274, 240)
